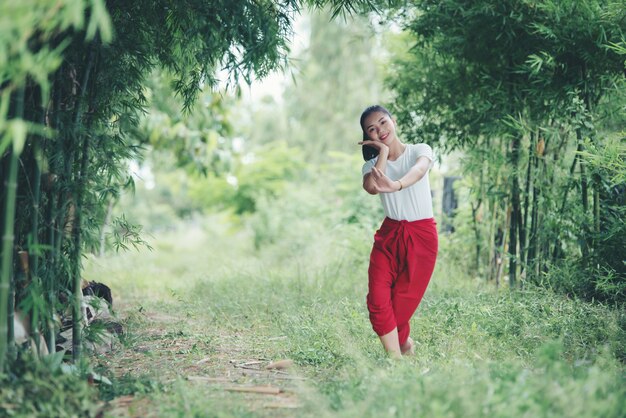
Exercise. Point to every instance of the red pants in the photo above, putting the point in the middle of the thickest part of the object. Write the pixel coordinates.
(401, 264)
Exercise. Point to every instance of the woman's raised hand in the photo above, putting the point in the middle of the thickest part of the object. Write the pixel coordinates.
(376, 144)
(383, 183)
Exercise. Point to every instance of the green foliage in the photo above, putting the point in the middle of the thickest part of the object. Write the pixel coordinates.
(259, 174)
(128, 384)
(530, 92)
(126, 234)
(332, 200)
(27, 34)
(579, 279)
(34, 389)
(266, 175)
(606, 163)
(201, 139)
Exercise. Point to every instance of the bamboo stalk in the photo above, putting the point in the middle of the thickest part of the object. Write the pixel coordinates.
(26, 278)
(557, 243)
(515, 214)
(493, 265)
(49, 283)
(52, 184)
(34, 251)
(584, 186)
(542, 251)
(51, 262)
(76, 272)
(504, 248)
(532, 254)
(596, 208)
(7, 240)
(105, 224)
(494, 230)
(77, 233)
(524, 223)
(11, 319)
(476, 232)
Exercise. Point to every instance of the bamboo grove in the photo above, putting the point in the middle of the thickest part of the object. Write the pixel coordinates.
(533, 95)
(71, 93)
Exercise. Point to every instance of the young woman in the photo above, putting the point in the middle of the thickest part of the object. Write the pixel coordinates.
(405, 247)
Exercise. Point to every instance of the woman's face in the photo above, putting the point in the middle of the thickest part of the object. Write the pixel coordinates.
(379, 126)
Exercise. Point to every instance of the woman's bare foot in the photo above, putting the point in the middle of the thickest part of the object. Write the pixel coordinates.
(408, 348)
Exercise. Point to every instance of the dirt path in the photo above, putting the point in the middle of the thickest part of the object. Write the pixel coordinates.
(170, 350)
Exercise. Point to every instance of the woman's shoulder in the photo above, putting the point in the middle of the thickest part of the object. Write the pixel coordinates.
(421, 150)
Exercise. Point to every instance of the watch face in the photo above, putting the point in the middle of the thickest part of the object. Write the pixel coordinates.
(369, 152)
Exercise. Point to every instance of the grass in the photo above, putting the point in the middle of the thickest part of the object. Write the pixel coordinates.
(205, 305)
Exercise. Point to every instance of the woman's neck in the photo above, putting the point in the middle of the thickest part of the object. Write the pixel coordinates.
(395, 150)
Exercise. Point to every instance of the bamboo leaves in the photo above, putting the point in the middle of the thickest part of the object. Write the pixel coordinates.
(100, 22)
(542, 81)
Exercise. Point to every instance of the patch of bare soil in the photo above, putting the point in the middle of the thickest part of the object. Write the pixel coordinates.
(229, 365)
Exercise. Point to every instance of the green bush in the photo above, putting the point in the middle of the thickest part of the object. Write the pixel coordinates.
(581, 279)
(37, 388)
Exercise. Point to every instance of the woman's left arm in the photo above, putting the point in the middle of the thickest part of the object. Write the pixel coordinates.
(416, 172)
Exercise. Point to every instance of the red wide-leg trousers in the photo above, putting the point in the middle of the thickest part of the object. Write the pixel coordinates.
(401, 264)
